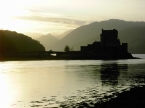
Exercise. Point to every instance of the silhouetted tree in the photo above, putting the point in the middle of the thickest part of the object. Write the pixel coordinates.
(50, 51)
(66, 49)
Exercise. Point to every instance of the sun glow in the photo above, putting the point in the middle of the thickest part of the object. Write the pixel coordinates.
(8, 12)
(7, 95)
(5, 99)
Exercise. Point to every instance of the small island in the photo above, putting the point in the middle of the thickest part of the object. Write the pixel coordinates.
(108, 48)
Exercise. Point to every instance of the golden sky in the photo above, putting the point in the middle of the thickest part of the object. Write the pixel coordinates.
(57, 16)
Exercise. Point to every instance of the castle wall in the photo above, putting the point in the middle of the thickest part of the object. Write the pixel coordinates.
(124, 47)
(110, 44)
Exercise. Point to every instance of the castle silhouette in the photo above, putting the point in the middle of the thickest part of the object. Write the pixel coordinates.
(109, 45)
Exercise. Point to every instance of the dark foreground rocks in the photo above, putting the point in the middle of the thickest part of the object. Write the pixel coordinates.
(134, 98)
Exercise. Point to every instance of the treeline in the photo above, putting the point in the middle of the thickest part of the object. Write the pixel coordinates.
(11, 41)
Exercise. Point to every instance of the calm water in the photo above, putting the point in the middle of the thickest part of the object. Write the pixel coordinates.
(43, 84)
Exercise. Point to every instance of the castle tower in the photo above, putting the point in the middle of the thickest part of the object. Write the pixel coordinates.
(109, 38)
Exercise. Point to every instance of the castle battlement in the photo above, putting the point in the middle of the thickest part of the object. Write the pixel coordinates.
(109, 44)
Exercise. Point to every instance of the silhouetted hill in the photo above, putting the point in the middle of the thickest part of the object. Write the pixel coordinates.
(6, 45)
(47, 40)
(135, 37)
(64, 34)
(14, 42)
(89, 33)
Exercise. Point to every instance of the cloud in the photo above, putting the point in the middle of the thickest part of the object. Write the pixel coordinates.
(52, 19)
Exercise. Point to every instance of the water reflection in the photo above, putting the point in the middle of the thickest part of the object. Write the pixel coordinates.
(110, 73)
(45, 84)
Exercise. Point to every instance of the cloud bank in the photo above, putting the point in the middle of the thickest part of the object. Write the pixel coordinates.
(53, 19)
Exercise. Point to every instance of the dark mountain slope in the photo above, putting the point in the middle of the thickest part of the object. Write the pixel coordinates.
(19, 42)
(5, 44)
(135, 37)
(87, 33)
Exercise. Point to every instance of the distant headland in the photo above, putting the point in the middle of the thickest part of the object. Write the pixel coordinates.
(109, 47)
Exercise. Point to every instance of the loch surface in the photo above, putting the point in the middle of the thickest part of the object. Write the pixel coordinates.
(53, 83)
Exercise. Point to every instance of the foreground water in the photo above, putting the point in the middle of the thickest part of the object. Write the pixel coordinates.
(43, 84)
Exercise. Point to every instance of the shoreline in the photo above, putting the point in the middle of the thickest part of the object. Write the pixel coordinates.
(133, 98)
(54, 58)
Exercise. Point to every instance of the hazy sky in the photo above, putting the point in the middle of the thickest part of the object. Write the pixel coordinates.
(56, 16)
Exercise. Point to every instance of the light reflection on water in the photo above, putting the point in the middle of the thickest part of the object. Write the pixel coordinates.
(26, 84)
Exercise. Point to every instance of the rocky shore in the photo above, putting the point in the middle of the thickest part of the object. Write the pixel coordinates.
(134, 98)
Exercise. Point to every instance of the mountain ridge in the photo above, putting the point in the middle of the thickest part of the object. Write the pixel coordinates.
(92, 32)
(47, 40)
